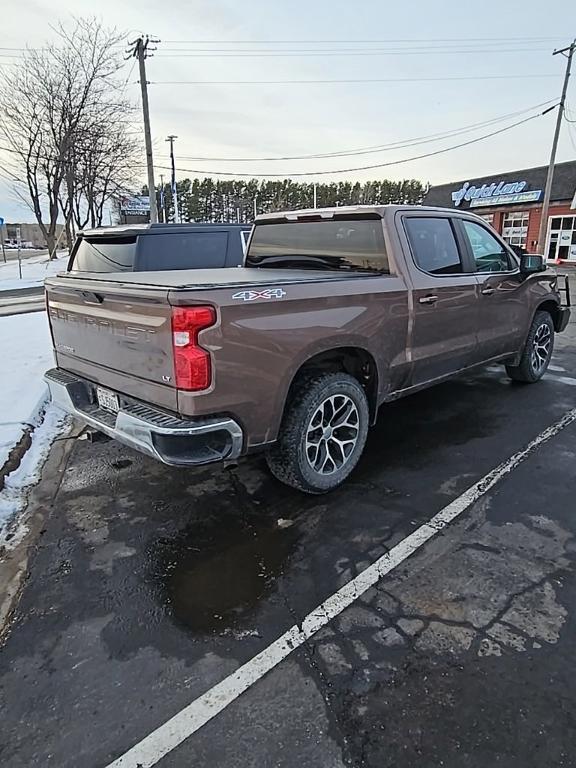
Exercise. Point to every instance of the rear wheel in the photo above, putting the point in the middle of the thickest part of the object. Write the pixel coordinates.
(323, 433)
(537, 351)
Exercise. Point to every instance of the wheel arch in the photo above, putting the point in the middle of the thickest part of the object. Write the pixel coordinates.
(353, 360)
(553, 308)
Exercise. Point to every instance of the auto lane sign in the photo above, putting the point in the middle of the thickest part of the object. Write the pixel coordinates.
(495, 193)
(531, 196)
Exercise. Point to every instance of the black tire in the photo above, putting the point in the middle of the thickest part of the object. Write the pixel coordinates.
(303, 443)
(535, 359)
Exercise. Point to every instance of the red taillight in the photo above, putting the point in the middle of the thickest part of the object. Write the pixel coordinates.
(191, 362)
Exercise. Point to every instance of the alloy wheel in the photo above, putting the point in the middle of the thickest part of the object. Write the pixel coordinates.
(541, 347)
(332, 434)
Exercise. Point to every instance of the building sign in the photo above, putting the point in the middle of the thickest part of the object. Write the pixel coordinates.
(496, 193)
(137, 205)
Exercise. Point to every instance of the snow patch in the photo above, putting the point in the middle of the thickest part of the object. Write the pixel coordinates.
(25, 354)
(34, 271)
(17, 485)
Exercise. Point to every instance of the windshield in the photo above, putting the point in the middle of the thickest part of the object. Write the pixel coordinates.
(351, 244)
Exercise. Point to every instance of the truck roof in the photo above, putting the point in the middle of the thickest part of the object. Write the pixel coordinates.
(141, 229)
(346, 210)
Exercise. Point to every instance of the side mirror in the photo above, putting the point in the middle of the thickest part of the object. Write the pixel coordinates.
(530, 263)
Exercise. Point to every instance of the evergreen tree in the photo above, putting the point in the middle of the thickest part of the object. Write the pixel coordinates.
(206, 200)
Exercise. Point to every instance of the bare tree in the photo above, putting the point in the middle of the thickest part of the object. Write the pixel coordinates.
(48, 108)
(105, 161)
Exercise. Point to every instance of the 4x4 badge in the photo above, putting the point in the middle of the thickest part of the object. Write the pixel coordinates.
(267, 293)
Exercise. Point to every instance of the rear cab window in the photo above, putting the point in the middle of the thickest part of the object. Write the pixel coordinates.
(352, 244)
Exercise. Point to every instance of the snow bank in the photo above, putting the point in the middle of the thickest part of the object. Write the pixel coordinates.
(17, 486)
(25, 354)
(34, 271)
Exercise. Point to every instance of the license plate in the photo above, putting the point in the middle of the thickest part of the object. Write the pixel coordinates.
(107, 400)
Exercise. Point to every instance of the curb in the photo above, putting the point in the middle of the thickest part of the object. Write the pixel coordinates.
(15, 563)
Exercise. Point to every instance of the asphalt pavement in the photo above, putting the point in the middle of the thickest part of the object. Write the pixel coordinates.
(153, 588)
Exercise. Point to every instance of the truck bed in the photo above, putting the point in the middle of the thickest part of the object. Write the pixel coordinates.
(206, 279)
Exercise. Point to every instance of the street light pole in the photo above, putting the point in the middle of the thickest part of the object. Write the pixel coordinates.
(174, 190)
(568, 52)
(162, 199)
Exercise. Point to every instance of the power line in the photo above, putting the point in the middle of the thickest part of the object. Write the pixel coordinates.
(460, 40)
(422, 48)
(378, 147)
(365, 167)
(351, 152)
(341, 54)
(456, 78)
(12, 176)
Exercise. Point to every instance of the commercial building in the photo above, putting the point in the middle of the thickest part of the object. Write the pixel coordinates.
(30, 235)
(512, 203)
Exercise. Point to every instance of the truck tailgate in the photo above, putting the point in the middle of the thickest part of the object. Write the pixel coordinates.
(115, 334)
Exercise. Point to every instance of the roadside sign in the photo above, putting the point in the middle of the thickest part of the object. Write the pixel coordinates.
(1, 221)
(138, 205)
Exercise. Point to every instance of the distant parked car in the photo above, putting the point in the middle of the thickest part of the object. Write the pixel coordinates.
(154, 247)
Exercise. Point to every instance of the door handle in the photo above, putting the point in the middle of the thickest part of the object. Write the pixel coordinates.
(428, 299)
(487, 291)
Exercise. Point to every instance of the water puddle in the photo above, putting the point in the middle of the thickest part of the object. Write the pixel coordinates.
(214, 575)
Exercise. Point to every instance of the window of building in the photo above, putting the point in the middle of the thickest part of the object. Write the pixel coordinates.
(433, 245)
(515, 228)
(562, 238)
(488, 218)
(489, 254)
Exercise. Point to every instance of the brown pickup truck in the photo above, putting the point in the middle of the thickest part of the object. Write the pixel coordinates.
(336, 312)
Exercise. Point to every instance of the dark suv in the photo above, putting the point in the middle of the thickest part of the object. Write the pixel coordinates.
(154, 247)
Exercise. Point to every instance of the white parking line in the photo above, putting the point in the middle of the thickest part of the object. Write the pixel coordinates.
(562, 379)
(190, 719)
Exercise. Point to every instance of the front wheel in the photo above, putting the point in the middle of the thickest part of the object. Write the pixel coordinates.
(323, 433)
(537, 351)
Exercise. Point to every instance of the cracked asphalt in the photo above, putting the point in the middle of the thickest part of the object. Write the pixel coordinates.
(149, 585)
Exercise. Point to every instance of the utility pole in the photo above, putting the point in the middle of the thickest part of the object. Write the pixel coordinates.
(174, 190)
(315, 196)
(568, 52)
(162, 199)
(140, 50)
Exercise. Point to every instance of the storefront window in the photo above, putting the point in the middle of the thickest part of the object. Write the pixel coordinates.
(515, 228)
(562, 238)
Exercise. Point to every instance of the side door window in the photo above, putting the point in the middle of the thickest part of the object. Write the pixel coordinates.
(489, 254)
(433, 245)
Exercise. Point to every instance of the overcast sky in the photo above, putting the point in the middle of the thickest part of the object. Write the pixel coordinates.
(234, 121)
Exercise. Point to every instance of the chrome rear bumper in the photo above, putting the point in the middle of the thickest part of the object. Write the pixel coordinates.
(157, 433)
